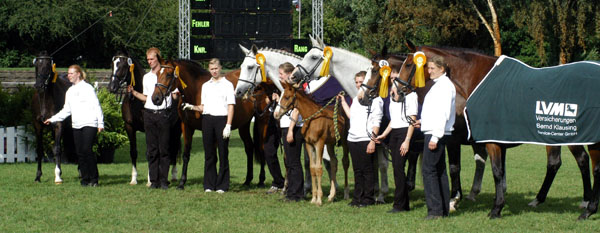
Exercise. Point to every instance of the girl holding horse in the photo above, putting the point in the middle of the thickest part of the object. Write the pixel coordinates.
(81, 103)
(363, 124)
(292, 143)
(401, 131)
(437, 120)
(217, 103)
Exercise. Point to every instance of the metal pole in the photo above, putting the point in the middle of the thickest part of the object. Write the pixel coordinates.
(184, 29)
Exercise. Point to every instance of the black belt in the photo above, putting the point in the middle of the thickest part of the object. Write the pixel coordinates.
(155, 111)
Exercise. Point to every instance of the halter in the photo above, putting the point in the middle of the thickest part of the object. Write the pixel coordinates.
(303, 75)
(253, 83)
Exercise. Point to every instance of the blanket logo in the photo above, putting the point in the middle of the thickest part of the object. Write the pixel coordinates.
(555, 109)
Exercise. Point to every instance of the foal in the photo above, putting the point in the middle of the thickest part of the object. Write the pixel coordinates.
(318, 131)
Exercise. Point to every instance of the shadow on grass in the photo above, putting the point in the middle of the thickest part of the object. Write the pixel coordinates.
(516, 204)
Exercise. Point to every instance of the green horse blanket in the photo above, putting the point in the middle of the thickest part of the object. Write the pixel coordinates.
(516, 103)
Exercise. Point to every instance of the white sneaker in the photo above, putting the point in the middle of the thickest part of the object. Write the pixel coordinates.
(220, 191)
(208, 191)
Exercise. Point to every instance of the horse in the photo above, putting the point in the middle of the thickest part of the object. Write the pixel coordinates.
(371, 90)
(250, 77)
(467, 69)
(319, 129)
(188, 80)
(129, 72)
(47, 100)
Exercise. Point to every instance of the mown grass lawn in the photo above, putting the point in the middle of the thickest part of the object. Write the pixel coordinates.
(116, 206)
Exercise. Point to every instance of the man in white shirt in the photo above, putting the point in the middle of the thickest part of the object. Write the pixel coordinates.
(217, 104)
(157, 123)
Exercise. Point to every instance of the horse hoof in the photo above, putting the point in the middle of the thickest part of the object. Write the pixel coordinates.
(583, 204)
(58, 182)
(534, 203)
(180, 187)
(148, 184)
(37, 180)
(247, 183)
(494, 216)
(133, 182)
(174, 180)
(453, 206)
(471, 197)
(261, 185)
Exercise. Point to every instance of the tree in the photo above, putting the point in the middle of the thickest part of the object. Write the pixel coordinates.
(494, 28)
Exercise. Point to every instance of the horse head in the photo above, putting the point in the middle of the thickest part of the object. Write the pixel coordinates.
(287, 100)
(372, 85)
(250, 73)
(406, 82)
(122, 66)
(306, 70)
(44, 70)
(166, 81)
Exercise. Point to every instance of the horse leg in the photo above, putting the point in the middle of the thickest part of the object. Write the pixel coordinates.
(497, 154)
(319, 170)
(57, 153)
(132, 152)
(39, 130)
(480, 158)
(312, 157)
(553, 164)
(583, 162)
(453, 148)
(592, 206)
(333, 163)
(327, 161)
(188, 132)
(260, 137)
(244, 132)
(307, 172)
(346, 164)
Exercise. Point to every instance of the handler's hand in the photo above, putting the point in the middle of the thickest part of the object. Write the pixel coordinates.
(404, 148)
(371, 147)
(227, 131)
(100, 130)
(432, 145)
(187, 106)
(290, 136)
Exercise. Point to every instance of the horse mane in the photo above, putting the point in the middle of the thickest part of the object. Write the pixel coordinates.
(280, 51)
(194, 66)
(355, 57)
(459, 52)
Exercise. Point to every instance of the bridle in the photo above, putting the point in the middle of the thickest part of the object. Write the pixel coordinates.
(45, 77)
(122, 82)
(164, 90)
(289, 106)
(254, 78)
(303, 75)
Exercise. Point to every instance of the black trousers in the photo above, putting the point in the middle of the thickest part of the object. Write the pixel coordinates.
(401, 199)
(293, 162)
(271, 144)
(88, 162)
(212, 133)
(435, 178)
(157, 126)
(363, 165)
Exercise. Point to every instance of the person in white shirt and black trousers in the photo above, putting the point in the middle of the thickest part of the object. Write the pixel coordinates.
(437, 120)
(157, 123)
(363, 126)
(81, 103)
(217, 104)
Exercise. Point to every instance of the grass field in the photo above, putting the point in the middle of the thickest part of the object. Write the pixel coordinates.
(116, 206)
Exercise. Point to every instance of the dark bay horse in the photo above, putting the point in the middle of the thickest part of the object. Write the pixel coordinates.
(48, 99)
(192, 76)
(129, 72)
(466, 70)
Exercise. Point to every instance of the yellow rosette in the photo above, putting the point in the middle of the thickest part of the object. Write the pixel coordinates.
(183, 85)
(419, 59)
(131, 67)
(260, 60)
(55, 73)
(327, 54)
(383, 85)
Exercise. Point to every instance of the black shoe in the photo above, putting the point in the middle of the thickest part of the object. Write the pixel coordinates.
(394, 210)
(432, 217)
(354, 204)
(84, 184)
(154, 186)
(164, 186)
(287, 199)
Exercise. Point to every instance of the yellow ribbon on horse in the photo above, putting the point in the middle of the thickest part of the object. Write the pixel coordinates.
(385, 72)
(260, 60)
(55, 73)
(327, 54)
(420, 59)
(177, 76)
(132, 83)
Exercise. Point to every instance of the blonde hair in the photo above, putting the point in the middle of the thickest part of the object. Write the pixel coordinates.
(78, 69)
(286, 67)
(154, 51)
(214, 61)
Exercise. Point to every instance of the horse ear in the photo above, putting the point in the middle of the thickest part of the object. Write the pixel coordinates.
(410, 46)
(314, 41)
(384, 51)
(254, 49)
(372, 52)
(244, 49)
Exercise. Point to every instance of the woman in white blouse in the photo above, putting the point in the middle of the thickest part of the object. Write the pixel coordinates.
(81, 103)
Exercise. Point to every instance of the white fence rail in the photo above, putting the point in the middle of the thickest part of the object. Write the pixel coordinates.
(16, 145)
